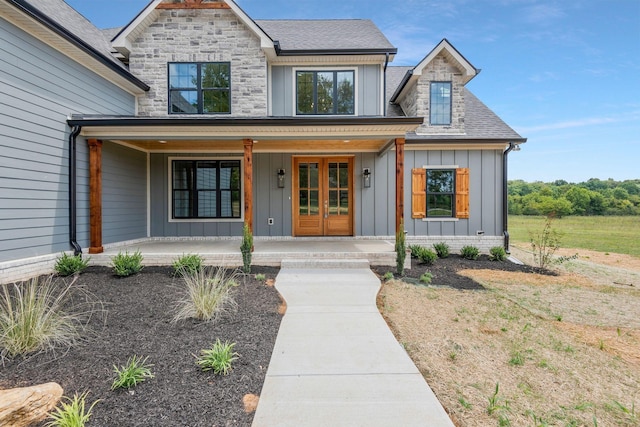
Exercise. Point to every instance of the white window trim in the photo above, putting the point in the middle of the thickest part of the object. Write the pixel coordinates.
(432, 167)
(198, 220)
(294, 104)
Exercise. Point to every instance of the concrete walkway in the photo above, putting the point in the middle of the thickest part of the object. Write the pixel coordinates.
(335, 361)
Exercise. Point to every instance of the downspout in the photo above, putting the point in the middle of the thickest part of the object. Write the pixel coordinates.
(505, 199)
(73, 220)
(384, 86)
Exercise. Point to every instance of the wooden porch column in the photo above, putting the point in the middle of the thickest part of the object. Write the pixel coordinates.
(248, 183)
(95, 196)
(399, 183)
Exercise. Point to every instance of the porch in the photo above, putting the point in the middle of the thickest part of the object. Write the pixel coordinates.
(268, 251)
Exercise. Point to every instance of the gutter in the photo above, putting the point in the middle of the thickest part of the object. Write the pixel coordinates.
(505, 196)
(73, 196)
(384, 85)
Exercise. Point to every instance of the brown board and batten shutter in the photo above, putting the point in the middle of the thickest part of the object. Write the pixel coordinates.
(462, 193)
(418, 193)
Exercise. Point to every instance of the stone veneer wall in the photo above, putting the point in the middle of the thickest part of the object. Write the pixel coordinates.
(200, 36)
(417, 100)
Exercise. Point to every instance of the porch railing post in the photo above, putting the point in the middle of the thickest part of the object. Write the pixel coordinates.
(95, 196)
(248, 183)
(399, 183)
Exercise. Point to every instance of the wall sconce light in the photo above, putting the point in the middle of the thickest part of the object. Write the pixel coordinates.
(366, 177)
(280, 178)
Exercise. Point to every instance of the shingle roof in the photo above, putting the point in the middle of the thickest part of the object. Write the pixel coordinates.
(76, 24)
(480, 123)
(326, 34)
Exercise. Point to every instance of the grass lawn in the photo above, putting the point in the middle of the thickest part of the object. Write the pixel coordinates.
(618, 234)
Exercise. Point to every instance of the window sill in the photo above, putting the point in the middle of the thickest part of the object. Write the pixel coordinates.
(207, 220)
(440, 219)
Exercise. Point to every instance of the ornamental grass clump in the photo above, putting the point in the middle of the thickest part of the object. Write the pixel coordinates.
(207, 294)
(133, 373)
(72, 412)
(42, 314)
(218, 358)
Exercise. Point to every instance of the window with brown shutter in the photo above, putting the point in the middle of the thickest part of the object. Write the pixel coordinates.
(433, 194)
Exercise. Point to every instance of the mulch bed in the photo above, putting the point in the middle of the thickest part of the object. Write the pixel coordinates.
(139, 311)
(445, 271)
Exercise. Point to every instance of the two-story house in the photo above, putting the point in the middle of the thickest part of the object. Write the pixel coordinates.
(195, 119)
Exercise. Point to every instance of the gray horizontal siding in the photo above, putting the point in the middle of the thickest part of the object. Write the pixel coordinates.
(39, 89)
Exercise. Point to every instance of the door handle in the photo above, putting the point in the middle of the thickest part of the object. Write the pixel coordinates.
(326, 209)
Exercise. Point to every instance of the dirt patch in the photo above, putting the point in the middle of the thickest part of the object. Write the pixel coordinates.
(139, 311)
(561, 348)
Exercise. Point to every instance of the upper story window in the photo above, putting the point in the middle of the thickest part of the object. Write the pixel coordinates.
(440, 103)
(200, 88)
(325, 92)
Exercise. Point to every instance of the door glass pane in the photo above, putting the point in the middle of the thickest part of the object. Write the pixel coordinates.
(333, 175)
(344, 175)
(344, 202)
(304, 202)
(333, 202)
(313, 175)
(303, 175)
(313, 202)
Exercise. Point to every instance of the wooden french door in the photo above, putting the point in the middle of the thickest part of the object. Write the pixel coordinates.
(323, 196)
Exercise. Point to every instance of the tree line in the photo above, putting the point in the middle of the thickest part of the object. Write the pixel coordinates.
(561, 198)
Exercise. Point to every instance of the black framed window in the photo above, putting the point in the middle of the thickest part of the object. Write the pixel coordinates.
(200, 88)
(441, 193)
(325, 92)
(440, 103)
(205, 189)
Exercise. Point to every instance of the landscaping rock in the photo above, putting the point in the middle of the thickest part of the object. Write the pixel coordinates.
(21, 407)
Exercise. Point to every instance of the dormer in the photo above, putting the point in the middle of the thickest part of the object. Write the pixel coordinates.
(434, 89)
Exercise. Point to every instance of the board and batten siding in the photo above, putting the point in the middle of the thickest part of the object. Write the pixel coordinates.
(485, 192)
(368, 95)
(161, 224)
(39, 89)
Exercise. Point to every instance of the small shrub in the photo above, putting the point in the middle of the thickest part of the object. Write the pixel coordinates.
(442, 249)
(66, 264)
(470, 252)
(187, 264)
(260, 277)
(401, 249)
(218, 358)
(545, 243)
(427, 256)
(497, 253)
(415, 250)
(387, 276)
(41, 314)
(72, 412)
(207, 293)
(426, 278)
(246, 248)
(134, 372)
(127, 264)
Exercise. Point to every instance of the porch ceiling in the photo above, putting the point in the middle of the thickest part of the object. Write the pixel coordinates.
(260, 146)
(270, 134)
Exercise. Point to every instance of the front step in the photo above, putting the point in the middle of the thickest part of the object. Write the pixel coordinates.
(313, 263)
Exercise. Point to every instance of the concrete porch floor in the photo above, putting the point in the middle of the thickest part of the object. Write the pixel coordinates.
(267, 251)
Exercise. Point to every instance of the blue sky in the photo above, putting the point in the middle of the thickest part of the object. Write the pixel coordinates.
(565, 74)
